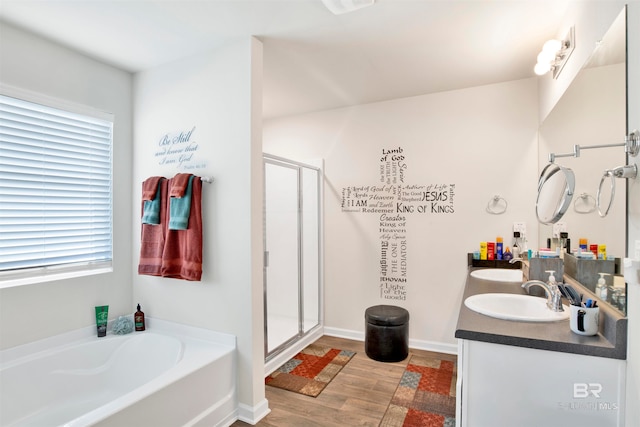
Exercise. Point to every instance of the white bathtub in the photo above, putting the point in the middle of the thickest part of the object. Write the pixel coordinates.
(169, 375)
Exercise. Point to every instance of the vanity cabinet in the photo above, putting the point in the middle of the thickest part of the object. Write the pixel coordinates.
(503, 385)
(520, 374)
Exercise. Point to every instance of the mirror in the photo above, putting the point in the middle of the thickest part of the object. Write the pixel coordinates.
(592, 111)
(555, 191)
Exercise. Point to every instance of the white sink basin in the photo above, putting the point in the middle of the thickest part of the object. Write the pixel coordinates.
(498, 274)
(523, 308)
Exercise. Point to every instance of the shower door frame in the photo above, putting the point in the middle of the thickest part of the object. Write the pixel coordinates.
(293, 344)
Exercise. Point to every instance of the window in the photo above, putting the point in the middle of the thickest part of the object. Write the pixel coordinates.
(55, 192)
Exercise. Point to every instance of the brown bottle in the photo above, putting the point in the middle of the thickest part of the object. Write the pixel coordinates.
(138, 319)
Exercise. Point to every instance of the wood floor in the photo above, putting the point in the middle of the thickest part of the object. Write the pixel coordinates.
(357, 396)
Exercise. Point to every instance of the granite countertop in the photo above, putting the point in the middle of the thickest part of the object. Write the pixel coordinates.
(610, 342)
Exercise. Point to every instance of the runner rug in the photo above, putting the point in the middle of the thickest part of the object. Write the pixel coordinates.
(426, 395)
(309, 371)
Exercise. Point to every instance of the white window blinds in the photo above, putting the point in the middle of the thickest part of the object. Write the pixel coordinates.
(55, 187)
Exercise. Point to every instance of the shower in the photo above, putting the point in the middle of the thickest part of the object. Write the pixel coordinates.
(292, 256)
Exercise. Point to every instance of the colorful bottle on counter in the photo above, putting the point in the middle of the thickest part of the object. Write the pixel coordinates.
(483, 250)
(138, 319)
(594, 249)
(602, 251)
(491, 251)
(499, 247)
(583, 245)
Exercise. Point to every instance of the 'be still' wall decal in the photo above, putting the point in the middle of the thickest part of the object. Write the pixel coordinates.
(179, 149)
(393, 201)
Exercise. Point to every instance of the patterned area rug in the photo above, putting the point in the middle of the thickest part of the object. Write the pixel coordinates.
(426, 395)
(309, 371)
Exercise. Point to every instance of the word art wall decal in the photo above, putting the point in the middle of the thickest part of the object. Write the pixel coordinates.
(179, 149)
(394, 201)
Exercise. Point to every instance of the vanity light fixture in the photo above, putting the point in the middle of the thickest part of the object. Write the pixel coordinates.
(554, 54)
(338, 7)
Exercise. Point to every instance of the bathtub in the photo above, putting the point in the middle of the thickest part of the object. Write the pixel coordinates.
(169, 375)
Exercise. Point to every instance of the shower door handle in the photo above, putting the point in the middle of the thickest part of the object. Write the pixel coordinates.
(266, 258)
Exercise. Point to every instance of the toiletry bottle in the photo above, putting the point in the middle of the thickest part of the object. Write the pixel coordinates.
(552, 278)
(491, 251)
(499, 247)
(507, 255)
(601, 287)
(602, 251)
(516, 250)
(583, 245)
(138, 319)
(483, 250)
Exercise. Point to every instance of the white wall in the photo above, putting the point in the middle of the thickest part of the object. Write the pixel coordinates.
(218, 93)
(482, 139)
(33, 312)
(633, 298)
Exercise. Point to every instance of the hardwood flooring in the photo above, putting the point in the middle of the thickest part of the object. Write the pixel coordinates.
(357, 396)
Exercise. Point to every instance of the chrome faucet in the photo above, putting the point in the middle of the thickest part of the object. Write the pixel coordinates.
(554, 297)
(514, 260)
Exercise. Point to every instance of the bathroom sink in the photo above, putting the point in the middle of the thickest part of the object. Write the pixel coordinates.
(523, 308)
(498, 274)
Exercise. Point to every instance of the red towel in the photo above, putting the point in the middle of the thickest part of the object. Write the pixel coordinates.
(178, 185)
(152, 239)
(149, 188)
(182, 255)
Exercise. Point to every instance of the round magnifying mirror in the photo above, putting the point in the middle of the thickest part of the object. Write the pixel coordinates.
(555, 191)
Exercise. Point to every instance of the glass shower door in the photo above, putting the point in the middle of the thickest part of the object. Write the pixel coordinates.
(281, 254)
(292, 252)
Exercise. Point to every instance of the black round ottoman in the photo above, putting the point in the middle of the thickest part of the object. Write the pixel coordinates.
(386, 337)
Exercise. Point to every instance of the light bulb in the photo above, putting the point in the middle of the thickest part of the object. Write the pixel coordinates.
(552, 47)
(542, 68)
(546, 57)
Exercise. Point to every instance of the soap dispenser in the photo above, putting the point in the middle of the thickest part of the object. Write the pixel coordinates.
(138, 319)
(601, 287)
(552, 278)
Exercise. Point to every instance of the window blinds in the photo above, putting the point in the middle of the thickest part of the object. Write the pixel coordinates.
(55, 187)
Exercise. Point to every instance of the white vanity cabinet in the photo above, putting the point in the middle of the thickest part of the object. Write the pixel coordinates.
(504, 385)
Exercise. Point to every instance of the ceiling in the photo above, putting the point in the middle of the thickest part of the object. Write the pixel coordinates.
(313, 59)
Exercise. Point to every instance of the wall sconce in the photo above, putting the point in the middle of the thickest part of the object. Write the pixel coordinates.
(554, 55)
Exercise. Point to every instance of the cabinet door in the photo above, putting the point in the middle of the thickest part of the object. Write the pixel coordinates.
(515, 386)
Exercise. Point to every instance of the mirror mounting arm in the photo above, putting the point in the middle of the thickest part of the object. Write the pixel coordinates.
(631, 146)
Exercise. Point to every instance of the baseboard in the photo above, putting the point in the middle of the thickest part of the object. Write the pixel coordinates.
(252, 415)
(438, 347)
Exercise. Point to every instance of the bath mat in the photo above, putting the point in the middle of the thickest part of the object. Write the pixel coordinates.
(309, 371)
(426, 395)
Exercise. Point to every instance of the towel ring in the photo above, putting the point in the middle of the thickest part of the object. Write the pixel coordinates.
(607, 174)
(587, 205)
(495, 207)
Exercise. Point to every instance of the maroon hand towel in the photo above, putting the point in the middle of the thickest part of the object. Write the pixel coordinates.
(182, 255)
(152, 240)
(178, 185)
(149, 187)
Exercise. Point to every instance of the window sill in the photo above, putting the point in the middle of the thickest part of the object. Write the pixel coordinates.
(11, 280)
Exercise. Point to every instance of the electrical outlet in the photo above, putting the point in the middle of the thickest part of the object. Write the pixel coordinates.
(521, 227)
(559, 227)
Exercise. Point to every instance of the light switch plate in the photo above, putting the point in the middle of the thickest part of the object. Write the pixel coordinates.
(559, 227)
(521, 227)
